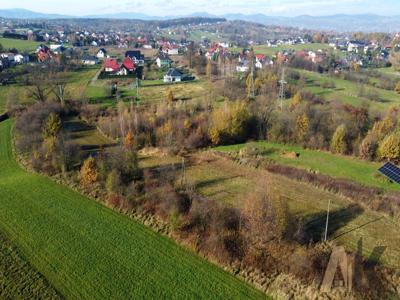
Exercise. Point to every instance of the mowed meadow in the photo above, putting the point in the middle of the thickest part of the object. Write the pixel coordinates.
(87, 251)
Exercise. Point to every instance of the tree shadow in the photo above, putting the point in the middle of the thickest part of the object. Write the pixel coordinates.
(206, 183)
(358, 227)
(315, 228)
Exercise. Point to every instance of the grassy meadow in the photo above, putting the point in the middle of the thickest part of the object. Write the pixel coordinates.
(348, 92)
(270, 51)
(337, 166)
(76, 88)
(87, 251)
(20, 45)
(149, 92)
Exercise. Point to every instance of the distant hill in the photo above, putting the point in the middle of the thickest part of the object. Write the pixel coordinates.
(362, 22)
(20, 13)
(365, 22)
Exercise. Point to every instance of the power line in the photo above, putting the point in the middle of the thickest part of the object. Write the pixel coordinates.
(282, 83)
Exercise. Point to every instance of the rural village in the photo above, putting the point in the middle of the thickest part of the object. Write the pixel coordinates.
(197, 158)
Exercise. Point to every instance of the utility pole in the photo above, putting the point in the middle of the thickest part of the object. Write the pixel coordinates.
(327, 221)
(282, 88)
(137, 88)
(183, 182)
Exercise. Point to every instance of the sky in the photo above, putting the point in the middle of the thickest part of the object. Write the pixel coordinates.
(218, 7)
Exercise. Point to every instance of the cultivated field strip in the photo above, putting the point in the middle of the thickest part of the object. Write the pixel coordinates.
(87, 251)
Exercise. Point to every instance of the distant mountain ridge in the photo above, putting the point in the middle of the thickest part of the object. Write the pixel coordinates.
(20, 13)
(340, 22)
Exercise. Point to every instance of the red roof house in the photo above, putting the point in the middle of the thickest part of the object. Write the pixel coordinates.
(111, 65)
(128, 64)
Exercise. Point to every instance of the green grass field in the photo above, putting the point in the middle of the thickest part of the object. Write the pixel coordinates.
(18, 279)
(20, 45)
(348, 91)
(336, 166)
(270, 51)
(87, 251)
(149, 92)
(76, 88)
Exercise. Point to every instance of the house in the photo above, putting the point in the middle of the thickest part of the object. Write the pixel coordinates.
(57, 49)
(20, 59)
(173, 75)
(355, 46)
(163, 60)
(9, 56)
(242, 67)
(43, 53)
(111, 65)
(136, 56)
(127, 67)
(102, 53)
(170, 49)
(90, 60)
(260, 59)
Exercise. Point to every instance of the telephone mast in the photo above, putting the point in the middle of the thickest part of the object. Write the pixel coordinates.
(282, 83)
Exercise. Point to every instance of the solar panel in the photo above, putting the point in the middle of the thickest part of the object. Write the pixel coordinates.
(391, 171)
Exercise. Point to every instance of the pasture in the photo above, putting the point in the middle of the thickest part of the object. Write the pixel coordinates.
(87, 251)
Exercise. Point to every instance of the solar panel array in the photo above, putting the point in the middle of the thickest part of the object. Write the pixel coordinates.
(391, 171)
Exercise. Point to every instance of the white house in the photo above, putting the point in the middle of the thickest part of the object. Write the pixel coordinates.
(173, 75)
(171, 51)
(163, 60)
(20, 59)
(102, 53)
(90, 60)
(355, 46)
(242, 68)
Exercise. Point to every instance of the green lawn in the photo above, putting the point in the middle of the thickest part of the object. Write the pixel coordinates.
(20, 45)
(87, 251)
(326, 163)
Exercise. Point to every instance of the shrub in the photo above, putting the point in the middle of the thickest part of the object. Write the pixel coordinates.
(302, 126)
(397, 88)
(389, 148)
(89, 173)
(369, 147)
(338, 142)
(113, 183)
(231, 124)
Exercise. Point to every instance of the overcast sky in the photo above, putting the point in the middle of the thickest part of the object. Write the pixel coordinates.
(183, 7)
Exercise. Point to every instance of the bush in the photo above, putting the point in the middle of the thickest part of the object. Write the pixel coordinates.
(389, 148)
(338, 142)
(231, 124)
(89, 173)
(369, 147)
